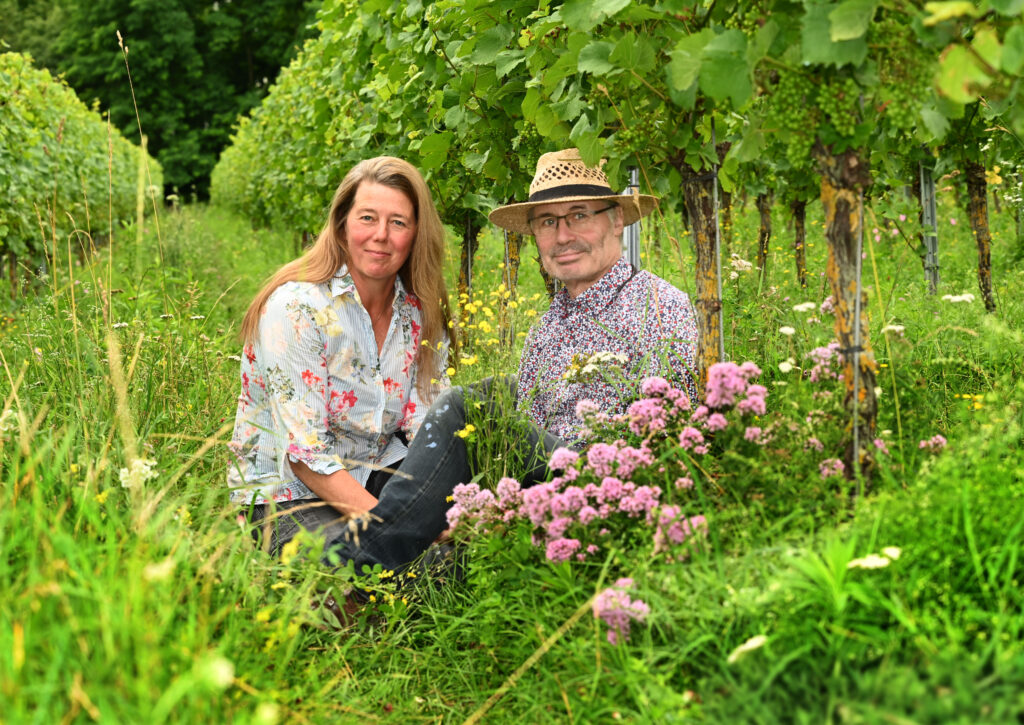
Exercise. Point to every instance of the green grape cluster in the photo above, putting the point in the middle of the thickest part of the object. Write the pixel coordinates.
(643, 133)
(904, 78)
(791, 111)
(839, 100)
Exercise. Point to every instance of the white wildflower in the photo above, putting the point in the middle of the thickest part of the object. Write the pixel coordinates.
(750, 645)
(236, 358)
(892, 552)
(166, 316)
(739, 264)
(787, 330)
(197, 317)
(8, 421)
(965, 297)
(119, 325)
(140, 471)
(215, 671)
(894, 329)
(871, 561)
(158, 570)
(787, 365)
(804, 307)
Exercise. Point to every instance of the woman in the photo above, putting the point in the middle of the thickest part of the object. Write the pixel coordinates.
(344, 349)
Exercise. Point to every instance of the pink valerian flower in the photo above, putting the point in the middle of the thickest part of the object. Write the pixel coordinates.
(628, 459)
(700, 414)
(600, 457)
(471, 506)
(563, 458)
(701, 450)
(612, 489)
(510, 493)
(642, 500)
(536, 504)
(586, 408)
(647, 415)
(557, 527)
(570, 500)
(831, 467)
(690, 437)
(655, 386)
(813, 444)
(828, 306)
(752, 434)
(725, 382)
(616, 609)
(934, 444)
(587, 514)
(684, 482)
(561, 550)
(674, 529)
(716, 422)
(880, 445)
(823, 358)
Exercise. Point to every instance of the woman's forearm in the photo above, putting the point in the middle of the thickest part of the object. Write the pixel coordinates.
(339, 489)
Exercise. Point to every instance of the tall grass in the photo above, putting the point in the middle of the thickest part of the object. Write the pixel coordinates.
(150, 604)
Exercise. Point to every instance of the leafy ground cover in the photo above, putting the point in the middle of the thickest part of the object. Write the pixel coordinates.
(752, 586)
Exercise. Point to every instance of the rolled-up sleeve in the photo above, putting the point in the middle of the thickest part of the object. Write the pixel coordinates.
(292, 348)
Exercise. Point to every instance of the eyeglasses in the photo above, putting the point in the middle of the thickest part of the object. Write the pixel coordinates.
(546, 226)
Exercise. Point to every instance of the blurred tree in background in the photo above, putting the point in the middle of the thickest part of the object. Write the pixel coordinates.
(196, 65)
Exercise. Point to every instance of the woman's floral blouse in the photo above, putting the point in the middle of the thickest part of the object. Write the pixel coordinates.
(314, 387)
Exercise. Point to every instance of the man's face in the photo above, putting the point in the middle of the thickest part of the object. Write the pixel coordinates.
(579, 253)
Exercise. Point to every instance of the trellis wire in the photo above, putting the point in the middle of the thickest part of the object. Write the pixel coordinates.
(631, 234)
(929, 221)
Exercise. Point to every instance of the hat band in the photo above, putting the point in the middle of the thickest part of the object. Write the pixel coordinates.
(561, 192)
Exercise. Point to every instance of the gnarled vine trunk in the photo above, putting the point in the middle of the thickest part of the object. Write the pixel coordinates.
(977, 208)
(698, 190)
(764, 234)
(843, 177)
(510, 279)
(799, 209)
(470, 232)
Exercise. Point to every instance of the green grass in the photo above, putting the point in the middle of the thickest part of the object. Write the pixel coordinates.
(149, 604)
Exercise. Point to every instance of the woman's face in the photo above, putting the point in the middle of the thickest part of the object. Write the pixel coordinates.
(380, 230)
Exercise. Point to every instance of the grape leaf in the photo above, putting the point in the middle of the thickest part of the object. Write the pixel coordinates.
(817, 44)
(851, 19)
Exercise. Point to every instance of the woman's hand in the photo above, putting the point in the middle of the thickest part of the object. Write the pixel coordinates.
(339, 489)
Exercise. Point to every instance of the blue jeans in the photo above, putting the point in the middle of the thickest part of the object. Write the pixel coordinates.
(410, 513)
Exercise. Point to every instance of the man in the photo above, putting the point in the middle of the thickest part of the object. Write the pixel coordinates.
(606, 307)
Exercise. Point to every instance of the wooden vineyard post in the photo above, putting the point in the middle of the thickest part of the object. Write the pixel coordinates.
(764, 235)
(843, 177)
(698, 195)
(929, 221)
(799, 209)
(471, 230)
(510, 280)
(977, 205)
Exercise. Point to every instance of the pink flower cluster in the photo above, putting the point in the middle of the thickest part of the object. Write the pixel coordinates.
(728, 380)
(934, 444)
(563, 509)
(823, 358)
(831, 467)
(828, 307)
(616, 609)
(674, 529)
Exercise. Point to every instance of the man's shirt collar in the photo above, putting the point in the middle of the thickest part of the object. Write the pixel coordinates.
(599, 295)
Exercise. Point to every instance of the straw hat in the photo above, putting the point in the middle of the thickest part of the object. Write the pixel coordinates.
(562, 176)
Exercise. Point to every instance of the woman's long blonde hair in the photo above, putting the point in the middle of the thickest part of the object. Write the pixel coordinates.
(422, 273)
